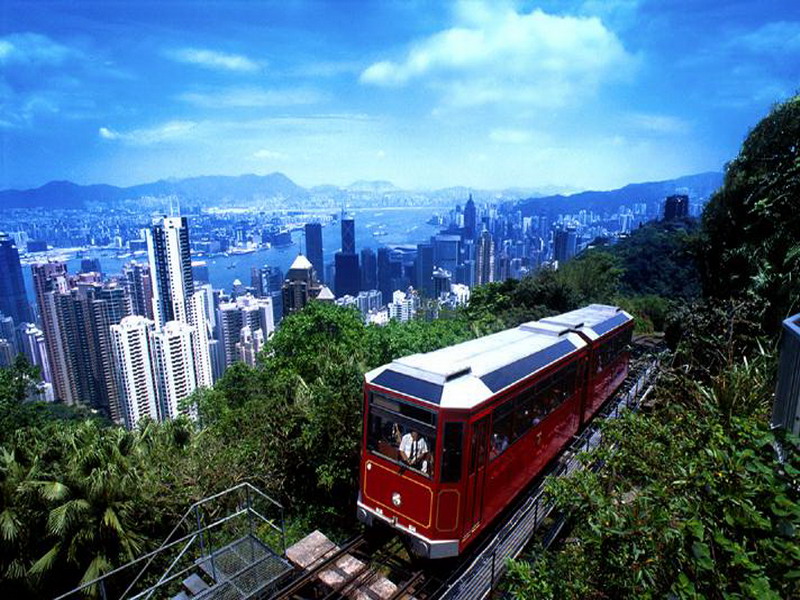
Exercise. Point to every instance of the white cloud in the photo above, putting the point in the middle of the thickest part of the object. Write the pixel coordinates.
(211, 59)
(499, 55)
(171, 130)
(34, 49)
(659, 123)
(253, 98)
(269, 154)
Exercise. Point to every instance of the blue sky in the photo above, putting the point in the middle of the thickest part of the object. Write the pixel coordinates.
(571, 94)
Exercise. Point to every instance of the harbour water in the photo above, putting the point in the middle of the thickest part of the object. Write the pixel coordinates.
(394, 226)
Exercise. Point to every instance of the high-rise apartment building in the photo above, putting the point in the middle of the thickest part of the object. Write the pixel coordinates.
(13, 299)
(201, 334)
(484, 259)
(173, 368)
(136, 387)
(232, 317)
(49, 282)
(170, 269)
(33, 346)
(314, 248)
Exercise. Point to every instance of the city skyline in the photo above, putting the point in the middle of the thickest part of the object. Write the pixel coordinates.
(574, 95)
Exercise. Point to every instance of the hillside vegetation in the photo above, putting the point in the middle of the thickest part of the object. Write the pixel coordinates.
(692, 503)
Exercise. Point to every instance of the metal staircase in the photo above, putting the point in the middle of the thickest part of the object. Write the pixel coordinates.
(229, 546)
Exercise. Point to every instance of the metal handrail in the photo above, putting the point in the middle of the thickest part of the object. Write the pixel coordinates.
(199, 530)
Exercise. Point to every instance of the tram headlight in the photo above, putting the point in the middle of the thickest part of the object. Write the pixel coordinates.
(397, 500)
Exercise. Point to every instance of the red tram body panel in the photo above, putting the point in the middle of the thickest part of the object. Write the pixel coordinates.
(451, 437)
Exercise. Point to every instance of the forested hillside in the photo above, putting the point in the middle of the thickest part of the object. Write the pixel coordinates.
(692, 503)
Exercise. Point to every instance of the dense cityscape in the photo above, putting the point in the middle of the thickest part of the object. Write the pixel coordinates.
(136, 344)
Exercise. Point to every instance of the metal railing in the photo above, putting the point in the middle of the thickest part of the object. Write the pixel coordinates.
(207, 526)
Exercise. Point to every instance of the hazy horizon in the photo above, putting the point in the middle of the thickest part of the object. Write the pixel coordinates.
(569, 95)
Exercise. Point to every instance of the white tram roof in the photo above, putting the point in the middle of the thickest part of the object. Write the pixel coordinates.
(467, 374)
(593, 320)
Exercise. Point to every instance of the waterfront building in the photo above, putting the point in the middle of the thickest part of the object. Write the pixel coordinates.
(13, 299)
(90, 265)
(470, 219)
(134, 374)
(314, 248)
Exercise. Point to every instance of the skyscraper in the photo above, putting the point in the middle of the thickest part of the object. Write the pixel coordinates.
(369, 269)
(13, 300)
(201, 332)
(676, 207)
(384, 273)
(34, 347)
(348, 236)
(136, 388)
(565, 242)
(301, 285)
(233, 317)
(170, 269)
(484, 262)
(140, 288)
(348, 276)
(423, 267)
(314, 248)
(173, 368)
(49, 282)
(470, 219)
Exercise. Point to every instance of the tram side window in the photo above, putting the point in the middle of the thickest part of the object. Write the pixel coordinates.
(451, 452)
(502, 429)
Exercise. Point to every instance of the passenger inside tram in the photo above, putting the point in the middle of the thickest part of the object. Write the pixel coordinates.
(414, 451)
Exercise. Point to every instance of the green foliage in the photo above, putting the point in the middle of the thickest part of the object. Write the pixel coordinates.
(659, 260)
(751, 227)
(688, 505)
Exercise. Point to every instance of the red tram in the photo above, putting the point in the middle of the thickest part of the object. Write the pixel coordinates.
(452, 436)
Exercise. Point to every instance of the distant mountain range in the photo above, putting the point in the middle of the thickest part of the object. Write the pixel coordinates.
(278, 190)
(698, 187)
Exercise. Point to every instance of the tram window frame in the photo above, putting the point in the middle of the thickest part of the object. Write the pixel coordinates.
(502, 428)
(394, 412)
(452, 451)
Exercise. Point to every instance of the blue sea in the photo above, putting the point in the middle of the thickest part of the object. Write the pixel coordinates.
(400, 226)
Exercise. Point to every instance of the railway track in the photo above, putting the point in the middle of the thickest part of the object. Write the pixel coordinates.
(379, 558)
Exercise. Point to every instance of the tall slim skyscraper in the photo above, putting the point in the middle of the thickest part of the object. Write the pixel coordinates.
(33, 346)
(348, 274)
(384, 273)
(348, 236)
(470, 219)
(136, 388)
(13, 299)
(314, 248)
(170, 269)
(423, 266)
(484, 263)
(201, 333)
(50, 282)
(565, 243)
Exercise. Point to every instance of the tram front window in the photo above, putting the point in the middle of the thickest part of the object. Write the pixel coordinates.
(402, 432)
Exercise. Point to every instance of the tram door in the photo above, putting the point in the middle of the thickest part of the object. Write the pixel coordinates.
(478, 457)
